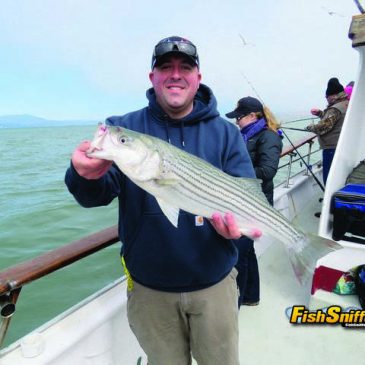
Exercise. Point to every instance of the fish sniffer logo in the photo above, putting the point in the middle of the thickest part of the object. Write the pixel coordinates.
(332, 315)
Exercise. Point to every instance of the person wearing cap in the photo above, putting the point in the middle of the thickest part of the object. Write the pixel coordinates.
(329, 126)
(260, 133)
(182, 292)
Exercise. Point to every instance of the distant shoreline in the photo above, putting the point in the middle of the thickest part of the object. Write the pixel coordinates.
(30, 121)
(10, 126)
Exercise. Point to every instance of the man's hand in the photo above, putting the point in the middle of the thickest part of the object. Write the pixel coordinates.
(226, 227)
(315, 111)
(87, 167)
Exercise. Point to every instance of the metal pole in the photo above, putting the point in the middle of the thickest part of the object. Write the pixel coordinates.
(310, 170)
(291, 155)
(309, 157)
(7, 305)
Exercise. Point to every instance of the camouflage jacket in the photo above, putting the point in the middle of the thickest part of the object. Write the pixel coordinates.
(329, 127)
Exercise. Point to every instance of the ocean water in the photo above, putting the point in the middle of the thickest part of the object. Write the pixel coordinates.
(38, 214)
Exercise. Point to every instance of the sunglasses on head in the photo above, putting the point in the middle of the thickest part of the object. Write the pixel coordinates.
(179, 46)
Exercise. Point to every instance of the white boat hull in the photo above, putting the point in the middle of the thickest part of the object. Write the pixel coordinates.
(95, 331)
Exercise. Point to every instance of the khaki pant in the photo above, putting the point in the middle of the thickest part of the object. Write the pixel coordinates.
(171, 327)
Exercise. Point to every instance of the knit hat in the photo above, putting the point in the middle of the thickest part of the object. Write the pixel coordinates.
(334, 87)
(246, 106)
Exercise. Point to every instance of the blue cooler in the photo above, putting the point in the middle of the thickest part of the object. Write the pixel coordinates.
(348, 209)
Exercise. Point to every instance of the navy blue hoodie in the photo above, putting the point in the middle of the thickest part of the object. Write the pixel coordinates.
(157, 254)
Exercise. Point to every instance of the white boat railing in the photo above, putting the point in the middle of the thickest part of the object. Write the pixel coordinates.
(292, 153)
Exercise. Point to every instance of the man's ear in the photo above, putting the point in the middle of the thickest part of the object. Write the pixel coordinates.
(151, 75)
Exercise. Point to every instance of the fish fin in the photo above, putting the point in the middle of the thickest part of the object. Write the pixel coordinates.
(252, 233)
(171, 212)
(306, 252)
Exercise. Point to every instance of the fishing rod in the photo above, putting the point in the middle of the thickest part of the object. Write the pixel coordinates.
(295, 149)
(252, 87)
(301, 120)
(294, 129)
(307, 166)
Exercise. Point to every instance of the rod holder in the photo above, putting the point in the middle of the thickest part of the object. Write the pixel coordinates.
(291, 155)
(7, 307)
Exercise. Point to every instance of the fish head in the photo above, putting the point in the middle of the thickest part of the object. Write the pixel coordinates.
(132, 152)
(100, 144)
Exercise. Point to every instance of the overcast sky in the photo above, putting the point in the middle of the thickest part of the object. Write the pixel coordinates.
(88, 59)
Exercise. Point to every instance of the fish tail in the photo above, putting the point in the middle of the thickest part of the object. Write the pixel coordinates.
(305, 253)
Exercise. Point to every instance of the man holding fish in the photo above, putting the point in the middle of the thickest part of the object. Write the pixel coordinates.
(182, 301)
(175, 162)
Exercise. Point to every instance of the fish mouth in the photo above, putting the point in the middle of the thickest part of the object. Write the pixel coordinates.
(92, 151)
(99, 136)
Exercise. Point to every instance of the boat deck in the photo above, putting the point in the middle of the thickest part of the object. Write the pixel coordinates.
(266, 336)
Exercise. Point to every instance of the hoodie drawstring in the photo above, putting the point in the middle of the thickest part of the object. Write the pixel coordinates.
(182, 136)
(167, 132)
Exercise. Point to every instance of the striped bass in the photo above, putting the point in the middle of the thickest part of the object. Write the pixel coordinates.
(180, 180)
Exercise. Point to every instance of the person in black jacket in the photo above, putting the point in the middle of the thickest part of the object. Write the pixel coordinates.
(260, 133)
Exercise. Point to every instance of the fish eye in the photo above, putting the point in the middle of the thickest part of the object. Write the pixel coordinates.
(123, 139)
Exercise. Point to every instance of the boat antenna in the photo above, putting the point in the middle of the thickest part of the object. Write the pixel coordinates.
(360, 7)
